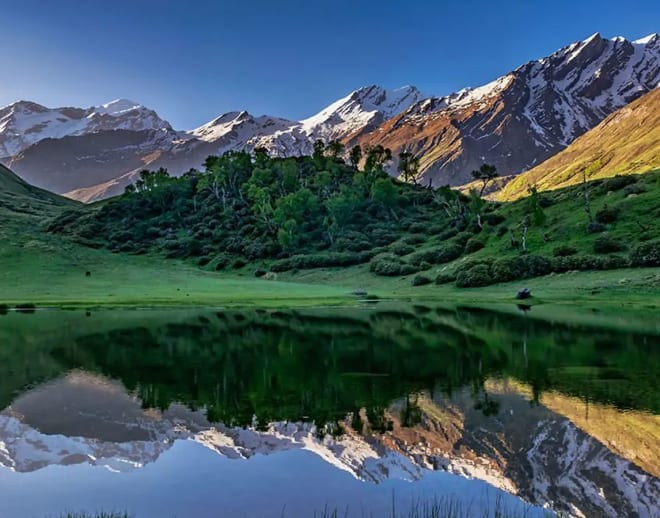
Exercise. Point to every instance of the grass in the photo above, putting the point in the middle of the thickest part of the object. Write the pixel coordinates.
(49, 270)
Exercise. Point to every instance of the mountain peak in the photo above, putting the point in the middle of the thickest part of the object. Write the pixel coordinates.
(651, 39)
(118, 107)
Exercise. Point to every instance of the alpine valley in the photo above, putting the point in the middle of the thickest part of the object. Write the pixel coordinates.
(514, 123)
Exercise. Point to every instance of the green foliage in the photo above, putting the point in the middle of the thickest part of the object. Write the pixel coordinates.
(564, 251)
(607, 214)
(421, 280)
(607, 245)
(478, 275)
(320, 260)
(646, 254)
(474, 245)
(390, 266)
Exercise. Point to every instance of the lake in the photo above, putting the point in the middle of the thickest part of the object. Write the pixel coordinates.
(376, 410)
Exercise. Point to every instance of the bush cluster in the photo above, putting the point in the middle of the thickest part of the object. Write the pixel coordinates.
(608, 245)
(646, 254)
(321, 260)
(474, 245)
(390, 266)
(421, 280)
(437, 255)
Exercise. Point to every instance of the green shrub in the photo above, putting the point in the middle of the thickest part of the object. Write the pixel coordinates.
(418, 228)
(564, 251)
(507, 269)
(401, 249)
(646, 254)
(618, 182)
(607, 245)
(321, 260)
(462, 238)
(437, 255)
(635, 188)
(588, 262)
(595, 227)
(607, 215)
(445, 278)
(447, 234)
(238, 263)
(414, 239)
(478, 275)
(421, 280)
(494, 219)
(474, 245)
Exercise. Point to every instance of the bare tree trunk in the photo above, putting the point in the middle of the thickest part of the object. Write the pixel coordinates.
(524, 238)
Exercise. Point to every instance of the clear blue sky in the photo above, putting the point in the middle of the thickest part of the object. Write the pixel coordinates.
(192, 60)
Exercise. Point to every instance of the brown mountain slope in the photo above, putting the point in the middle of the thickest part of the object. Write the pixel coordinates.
(628, 141)
(525, 117)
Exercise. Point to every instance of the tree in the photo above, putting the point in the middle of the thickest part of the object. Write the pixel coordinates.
(485, 174)
(355, 156)
(408, 167)
(385, 192)
(476, 206)
(319, 150)
(586, 173)
(452, 203)
(335, 149)
(374, 165)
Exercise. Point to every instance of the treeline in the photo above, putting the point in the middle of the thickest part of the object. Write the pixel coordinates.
(324, 210)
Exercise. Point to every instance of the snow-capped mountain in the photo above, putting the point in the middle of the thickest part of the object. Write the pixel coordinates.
(527, 450)
(25, 123)
(526, 116)
(358, 112)
(514, 122)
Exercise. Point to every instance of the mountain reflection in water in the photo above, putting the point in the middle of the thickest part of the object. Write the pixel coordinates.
(560, 415)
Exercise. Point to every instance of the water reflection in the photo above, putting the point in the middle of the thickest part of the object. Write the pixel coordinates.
(387, 396)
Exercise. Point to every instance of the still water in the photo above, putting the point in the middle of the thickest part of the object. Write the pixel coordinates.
(368, 411)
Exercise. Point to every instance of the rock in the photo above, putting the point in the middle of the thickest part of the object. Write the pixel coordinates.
(523, 294)
(360, 293)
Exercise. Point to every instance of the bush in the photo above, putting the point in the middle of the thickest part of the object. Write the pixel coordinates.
(473, 245)
(321, 260)
(478, 275)
(421, 280)
(507, 269)
(221, 261)
(390, 266)
(462, 238)
(646, 254)
(595, 227)
(445, 278)
(494, 219)
(635, 188)
(437, 255)
(588, 262)
(401, 249)
(564, 251)
(414, 239)
(607, 245)
(448, 234)
(238, 263)
(418, 228)
(618, 182)
(259, 273)
(607, 215)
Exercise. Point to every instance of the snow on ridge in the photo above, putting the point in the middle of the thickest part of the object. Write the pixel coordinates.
(651, 38)
(117, 107)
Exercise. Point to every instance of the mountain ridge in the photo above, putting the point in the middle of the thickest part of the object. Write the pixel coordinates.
(515, 122)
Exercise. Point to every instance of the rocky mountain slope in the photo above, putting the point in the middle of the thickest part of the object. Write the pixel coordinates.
(514, 122)
(538, 455)
(628, 141)
(526, 116)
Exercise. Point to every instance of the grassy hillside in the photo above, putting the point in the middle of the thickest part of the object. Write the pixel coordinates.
(326, 229)
(37, 267)
(628, 141)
